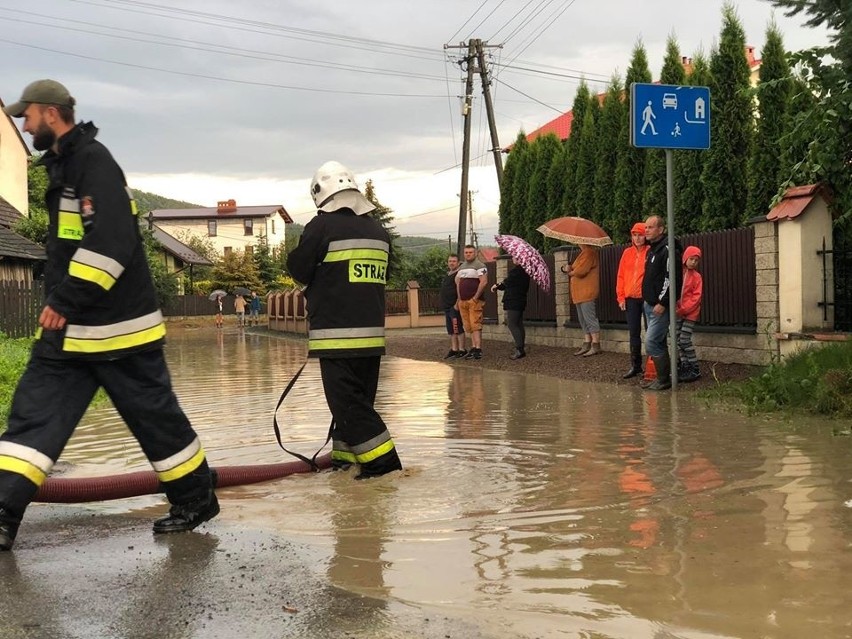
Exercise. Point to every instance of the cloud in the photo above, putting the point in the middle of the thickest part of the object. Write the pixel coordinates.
(203, 100)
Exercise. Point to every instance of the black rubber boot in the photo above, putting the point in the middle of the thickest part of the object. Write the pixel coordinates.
(185, 517)
(8, 529)
(383, 465)
(664, 373)
(635, 363)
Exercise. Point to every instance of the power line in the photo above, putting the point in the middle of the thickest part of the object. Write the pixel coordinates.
(231, 51)
(464, 24)
(219, 78)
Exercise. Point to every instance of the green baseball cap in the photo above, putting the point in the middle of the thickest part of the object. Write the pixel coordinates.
(40, 92)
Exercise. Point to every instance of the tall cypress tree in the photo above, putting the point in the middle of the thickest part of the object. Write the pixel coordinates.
(773, 94)
(556, 182)
(654, 195)
(545, 149)
(608, 130)
(725, 175)
(520, 186)
(585, 177)
(578, 115)
(630, 168)
(510, 172)
(689, 192)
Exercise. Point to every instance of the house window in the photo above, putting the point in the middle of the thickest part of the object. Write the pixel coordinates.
(248, 226)
(227, 250)
(272, 226)
(211, 228)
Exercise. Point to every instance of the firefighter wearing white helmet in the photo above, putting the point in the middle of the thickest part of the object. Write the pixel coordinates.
(342, 258)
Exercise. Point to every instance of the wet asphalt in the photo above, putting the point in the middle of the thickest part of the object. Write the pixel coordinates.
(80, 574)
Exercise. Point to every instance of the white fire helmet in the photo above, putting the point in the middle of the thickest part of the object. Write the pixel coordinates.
(334, 187)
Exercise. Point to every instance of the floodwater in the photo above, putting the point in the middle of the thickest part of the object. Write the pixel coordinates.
(530, 506)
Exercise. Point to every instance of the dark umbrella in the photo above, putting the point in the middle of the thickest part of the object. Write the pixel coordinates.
(241, 290)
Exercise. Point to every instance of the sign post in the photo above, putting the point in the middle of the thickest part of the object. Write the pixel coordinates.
(668, 116)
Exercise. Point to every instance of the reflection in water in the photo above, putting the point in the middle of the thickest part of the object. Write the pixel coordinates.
(547, 507)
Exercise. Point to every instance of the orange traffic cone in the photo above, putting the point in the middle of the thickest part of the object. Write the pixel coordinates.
(650, 373)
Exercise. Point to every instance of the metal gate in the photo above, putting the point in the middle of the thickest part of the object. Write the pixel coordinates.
(840, 260)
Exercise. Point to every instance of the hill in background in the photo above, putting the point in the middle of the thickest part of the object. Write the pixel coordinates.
(146, 202)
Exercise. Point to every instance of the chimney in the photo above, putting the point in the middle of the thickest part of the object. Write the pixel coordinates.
(226, 206)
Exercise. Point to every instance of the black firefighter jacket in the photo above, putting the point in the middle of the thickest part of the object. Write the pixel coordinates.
(97, 274)
(343, 260)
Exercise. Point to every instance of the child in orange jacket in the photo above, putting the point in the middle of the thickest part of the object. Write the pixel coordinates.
(688, 308)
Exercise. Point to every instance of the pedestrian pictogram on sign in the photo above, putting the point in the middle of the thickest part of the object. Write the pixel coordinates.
(667, 116)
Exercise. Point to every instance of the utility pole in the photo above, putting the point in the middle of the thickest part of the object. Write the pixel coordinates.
(489, 110)
(475, 54)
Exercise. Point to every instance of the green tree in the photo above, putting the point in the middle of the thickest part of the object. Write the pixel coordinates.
(267, 268)
(826, 130)
(34, 227)
(520, 188)
(506, 211)
(428, 269)
(578, 117)
(608, 131)
(165, 283)
(725, 176)
(773, 94)
(630, 167)
(654, 195)
(586, 155)
(236, 268)
(545, 149)
(556, 182)
(689, 192)
(384, 216)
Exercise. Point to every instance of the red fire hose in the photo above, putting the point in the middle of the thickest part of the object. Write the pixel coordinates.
(60, 490)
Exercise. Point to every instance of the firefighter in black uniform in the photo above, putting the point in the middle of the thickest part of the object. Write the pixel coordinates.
(100, 326)
(342, 257)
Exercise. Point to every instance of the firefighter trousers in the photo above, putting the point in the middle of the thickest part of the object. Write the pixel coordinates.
(360, 435)
(51, 398)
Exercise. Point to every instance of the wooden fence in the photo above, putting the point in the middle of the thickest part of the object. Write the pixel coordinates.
(20, 305)
(727, 267)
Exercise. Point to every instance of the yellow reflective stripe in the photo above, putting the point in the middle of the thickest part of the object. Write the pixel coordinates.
(121, 342)
(133, 208)
(375, 453)
(346, 342)
(363, 331)
(343, 455)
(178, 458)
(70, 226)
(99, 261)
(91, 274)
(125, 327)
(357, 254)
(367, 271)
(14, 465)
(38, 333)
(183, 469)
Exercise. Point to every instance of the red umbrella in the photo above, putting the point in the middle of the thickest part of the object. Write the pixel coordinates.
(577, 230)
(527, 257)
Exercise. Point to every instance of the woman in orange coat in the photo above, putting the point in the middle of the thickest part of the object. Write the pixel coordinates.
(585, 288)
(628, 292)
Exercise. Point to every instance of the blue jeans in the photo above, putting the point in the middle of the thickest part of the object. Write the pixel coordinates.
(657, 332)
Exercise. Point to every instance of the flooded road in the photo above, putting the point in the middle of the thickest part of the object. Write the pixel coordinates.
(530, 506)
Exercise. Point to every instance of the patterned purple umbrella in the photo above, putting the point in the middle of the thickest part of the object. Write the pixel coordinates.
(527, 257)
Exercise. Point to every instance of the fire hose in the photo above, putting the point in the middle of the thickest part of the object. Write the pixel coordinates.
(67, 490)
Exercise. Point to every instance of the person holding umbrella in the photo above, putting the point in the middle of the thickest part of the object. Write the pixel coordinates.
(515, 288)
(585, 288)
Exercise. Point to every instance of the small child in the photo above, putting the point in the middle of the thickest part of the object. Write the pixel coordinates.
(688, 308)
(218, 312)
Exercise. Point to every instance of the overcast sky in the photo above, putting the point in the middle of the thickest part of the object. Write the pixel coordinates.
(203, 101)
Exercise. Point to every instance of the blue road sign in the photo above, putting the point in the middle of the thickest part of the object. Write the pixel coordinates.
(668, 116)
